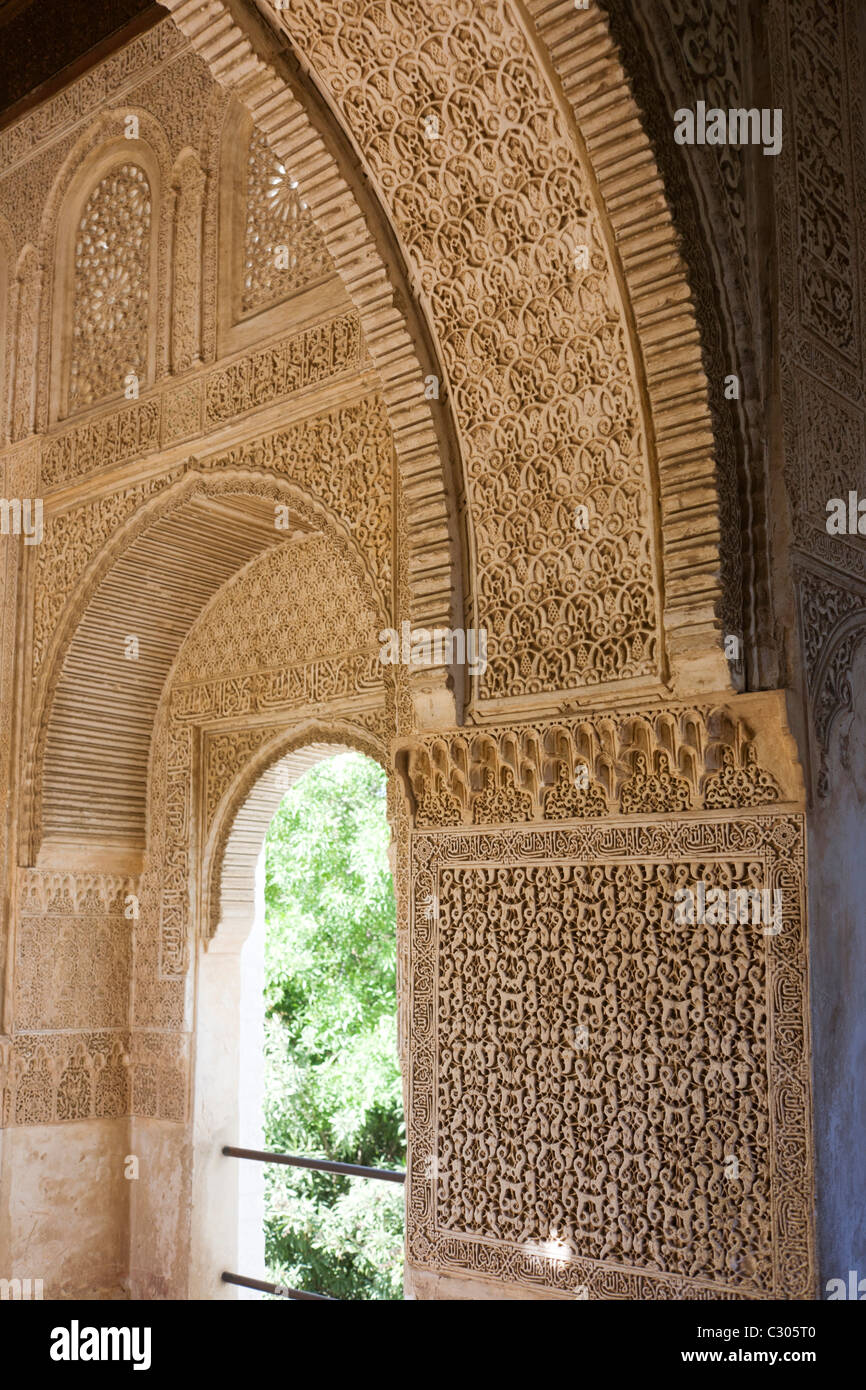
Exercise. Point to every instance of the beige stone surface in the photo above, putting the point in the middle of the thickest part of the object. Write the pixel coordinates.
(248, 472)
(65, 1207)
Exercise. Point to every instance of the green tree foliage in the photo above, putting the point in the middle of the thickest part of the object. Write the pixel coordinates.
(332, 1083)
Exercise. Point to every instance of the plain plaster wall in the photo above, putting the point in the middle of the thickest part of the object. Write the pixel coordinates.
(64, 1207)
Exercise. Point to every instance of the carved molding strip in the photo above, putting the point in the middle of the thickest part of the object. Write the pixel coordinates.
(649, 763)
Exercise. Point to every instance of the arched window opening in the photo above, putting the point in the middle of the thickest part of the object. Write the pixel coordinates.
(317, 1044)
(111, 289)
(332, 1078)
(276, 273)
(283, 249)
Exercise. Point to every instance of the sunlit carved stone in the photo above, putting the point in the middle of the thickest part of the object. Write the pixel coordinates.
(435, 337)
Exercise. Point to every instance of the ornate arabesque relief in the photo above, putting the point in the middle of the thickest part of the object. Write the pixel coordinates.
(27, 300)
(829, 462)
(213, 733)
(584, 1068)
(74, 539)
(105, 84)
(189, 186)
(67, 925)
(713, 64)
(204, 402)
(336, 617)
(537, 352)
(344, 457)
(343, 477)
(832, 626)
(72, 1056)
(822, 64)
(680, 53)
(817, 75)
(125, 279)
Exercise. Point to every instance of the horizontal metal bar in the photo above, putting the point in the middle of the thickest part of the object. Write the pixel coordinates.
(264, 1287)
(322, 1165)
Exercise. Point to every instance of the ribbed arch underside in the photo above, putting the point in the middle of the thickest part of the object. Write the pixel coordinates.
(101, 722)
(237, 872)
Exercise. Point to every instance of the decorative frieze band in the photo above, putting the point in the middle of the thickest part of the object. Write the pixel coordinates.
(309, 683)
(174, 412)
(47, 1078)
(649, 763)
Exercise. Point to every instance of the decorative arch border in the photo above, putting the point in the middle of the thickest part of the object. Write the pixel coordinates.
(588, 69)
(178, 487)
(99, 148)
(336, 735)
(703, 223)
(338, 730)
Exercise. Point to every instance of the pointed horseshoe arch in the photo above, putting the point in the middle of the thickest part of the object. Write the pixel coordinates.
(319, 79)
(141, 583)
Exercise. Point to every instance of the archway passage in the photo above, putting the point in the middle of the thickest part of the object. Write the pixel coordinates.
(505, 403)
(297, 1037)
(332, 1085)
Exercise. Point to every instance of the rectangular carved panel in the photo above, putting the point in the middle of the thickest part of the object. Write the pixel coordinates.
(604, 1099)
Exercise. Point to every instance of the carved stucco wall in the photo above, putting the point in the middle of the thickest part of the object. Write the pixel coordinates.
(510, 320)
(817, 68)
(556, 390)
(683, 52)
(291, 419)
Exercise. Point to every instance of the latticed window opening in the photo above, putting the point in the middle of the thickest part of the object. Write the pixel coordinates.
(283, 251)
(111, 289)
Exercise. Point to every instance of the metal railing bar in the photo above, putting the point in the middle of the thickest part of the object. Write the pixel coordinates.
(322, 1165)
(264, 1286)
